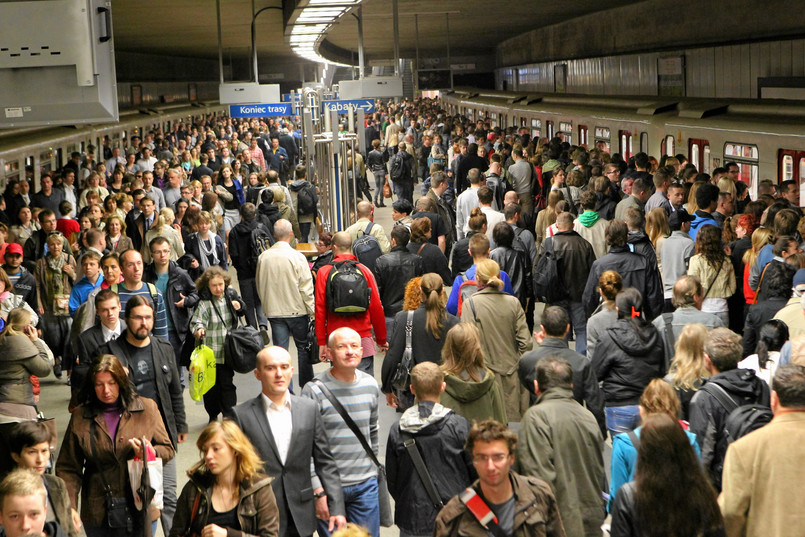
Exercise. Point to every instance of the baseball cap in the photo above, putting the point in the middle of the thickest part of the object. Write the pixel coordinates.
(677, 218)
(14, 248)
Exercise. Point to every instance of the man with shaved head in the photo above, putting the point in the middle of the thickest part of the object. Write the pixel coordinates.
(359, 393)
(366, 216)
(294, 426)
(363, 322)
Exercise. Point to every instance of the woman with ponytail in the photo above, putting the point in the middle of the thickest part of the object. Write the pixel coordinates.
(504, 334)
(629, 354)
(430, 322)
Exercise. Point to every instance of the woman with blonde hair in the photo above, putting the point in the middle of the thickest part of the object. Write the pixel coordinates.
(471, 390)
(691, 206)
(657, 229)
(688, 371)
(760, 238)
(547, 216)
(504, 334)
(227, 493)
(429, 323)
(657, 398)
(163, 228)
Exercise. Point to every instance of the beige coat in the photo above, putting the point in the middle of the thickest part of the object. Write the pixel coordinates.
(595, 235)
(504, 338)
(721, 283)
(284, 282)
(377, 232)
(762, 480)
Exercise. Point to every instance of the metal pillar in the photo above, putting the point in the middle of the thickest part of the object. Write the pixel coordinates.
(220, 42)
(447, 28)
(395, 21)
(416, 41)
(360, 43)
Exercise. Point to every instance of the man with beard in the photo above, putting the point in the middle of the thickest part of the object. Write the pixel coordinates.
(152, 368)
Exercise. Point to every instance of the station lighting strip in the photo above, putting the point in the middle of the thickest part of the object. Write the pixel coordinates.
(310, 26)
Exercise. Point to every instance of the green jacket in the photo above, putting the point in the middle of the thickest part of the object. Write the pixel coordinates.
(475, 400)
(561, 443)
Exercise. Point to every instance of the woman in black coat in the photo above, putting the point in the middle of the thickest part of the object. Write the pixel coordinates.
(430, 323)
(629, 354)
(433, 258)
(513, 262)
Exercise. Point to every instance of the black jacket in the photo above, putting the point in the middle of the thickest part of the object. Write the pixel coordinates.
(179, 283)
(253, 194)
(433, 259)
(513, 263)
(392, 272)
(464, 166)
(240, 248)
(626, 360)
(605, 207)
(460, 258)
(375, 161)
(758, 315)
(640, 244)
(268, 214)
(26, 287)
(441, 444)
(708, 416)
(585, 383)
(635, 271)
(168, 382)
(576, 256)
(424, 346)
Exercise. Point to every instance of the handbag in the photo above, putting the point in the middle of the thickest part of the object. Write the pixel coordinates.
(241, 345)
(118, 514)
(386, 514)
(401, 380)
(386, 191)
(311, 343)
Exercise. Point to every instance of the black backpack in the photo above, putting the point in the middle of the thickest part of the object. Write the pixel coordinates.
(741, 419)
(366, 248)
(261, 240)
(548, 287)
(306, 200)
(347, 290)
(397, 169)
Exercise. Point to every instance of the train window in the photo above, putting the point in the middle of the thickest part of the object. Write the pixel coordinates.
(668, 145)
(786, 168)
(583, 135)
(46, 160)
(706, 159)
(11, 170)
(625, 143)
(644, 142)
(602, 136)
(566, 129)
(746, 156)
(549, 128)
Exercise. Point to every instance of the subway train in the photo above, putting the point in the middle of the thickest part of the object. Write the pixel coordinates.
(49, 148)
(765, 138)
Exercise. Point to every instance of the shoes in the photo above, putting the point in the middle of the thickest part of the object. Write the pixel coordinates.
(68, 381)
(57, 371)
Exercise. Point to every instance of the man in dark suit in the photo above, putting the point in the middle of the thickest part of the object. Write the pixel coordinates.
(91, 342)
(287, 431)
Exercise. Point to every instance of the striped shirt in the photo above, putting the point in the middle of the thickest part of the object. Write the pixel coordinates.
(160, 317)
(360, 399)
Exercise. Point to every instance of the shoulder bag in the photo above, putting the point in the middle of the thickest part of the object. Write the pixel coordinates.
(422, 470)
(118, 514)
(386, 514)
(241, 345)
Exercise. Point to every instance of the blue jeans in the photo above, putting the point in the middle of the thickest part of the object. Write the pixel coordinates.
(622, 419)
(367, 365)
(282, 328)
(248, 291)
(362, 506)
(578, 320)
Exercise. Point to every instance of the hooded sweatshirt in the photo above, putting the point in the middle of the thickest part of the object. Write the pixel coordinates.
(475, 400)
(626, 358)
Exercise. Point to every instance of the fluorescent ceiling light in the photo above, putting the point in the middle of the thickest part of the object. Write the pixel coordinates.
(332, 2)
(308, 29)
(304, 38)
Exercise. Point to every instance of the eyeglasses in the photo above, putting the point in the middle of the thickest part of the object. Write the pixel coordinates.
(496, 458)
(613, 172)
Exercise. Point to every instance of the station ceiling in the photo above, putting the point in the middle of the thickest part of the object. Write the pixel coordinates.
(188, 28)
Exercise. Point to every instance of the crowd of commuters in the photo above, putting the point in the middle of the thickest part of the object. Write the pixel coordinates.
(582, 295)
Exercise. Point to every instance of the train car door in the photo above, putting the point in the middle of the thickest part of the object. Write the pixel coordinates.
(699, 153)
(584, 136)
(625, 144)
(791, 167)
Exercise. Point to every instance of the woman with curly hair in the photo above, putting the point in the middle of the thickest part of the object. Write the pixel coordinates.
(714, 269)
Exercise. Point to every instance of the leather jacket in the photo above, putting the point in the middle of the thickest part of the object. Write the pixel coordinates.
(392, 272)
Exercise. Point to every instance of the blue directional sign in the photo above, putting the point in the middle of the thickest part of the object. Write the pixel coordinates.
(286, 97)
(260, 110)
(342, 107)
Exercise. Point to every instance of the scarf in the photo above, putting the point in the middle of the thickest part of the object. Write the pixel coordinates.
(206, 252)
(588, 218)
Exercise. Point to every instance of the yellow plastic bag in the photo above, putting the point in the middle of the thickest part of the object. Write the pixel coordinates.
(202, 371)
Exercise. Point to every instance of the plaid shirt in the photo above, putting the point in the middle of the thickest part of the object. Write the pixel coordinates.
(215, 330)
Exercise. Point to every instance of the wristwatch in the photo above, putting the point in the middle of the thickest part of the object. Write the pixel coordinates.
(319, 494)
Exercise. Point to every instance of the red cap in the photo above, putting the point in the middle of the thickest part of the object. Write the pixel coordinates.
(14, 248)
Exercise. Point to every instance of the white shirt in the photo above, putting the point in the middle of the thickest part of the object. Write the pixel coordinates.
(279, 420)
(109, 335)
(493, 218)
(465, 203)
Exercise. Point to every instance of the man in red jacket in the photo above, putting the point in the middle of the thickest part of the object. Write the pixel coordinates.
(362, 322)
